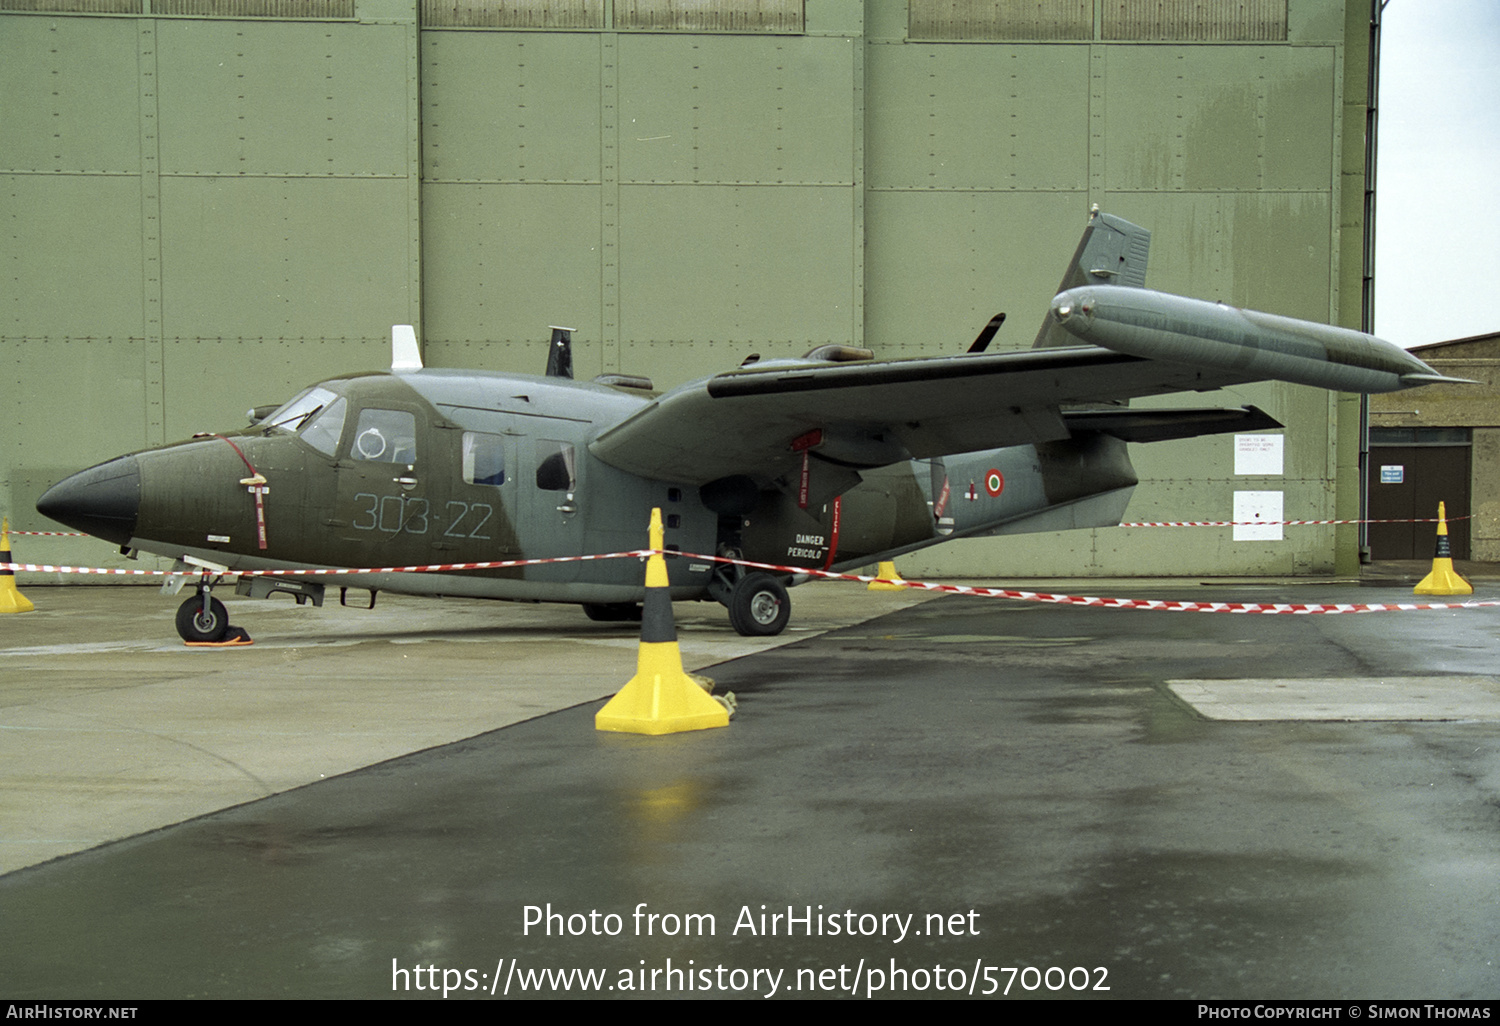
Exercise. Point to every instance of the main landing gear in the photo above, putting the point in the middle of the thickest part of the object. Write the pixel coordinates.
(758, 604)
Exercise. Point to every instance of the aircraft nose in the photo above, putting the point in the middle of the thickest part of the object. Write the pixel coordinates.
(102, 501)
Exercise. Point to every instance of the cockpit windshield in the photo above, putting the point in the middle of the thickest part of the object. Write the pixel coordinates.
(290, 416)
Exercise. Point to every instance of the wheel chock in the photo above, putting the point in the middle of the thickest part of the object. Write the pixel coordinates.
(661, 698)
(887, 573)
(234, 637)
(1443, 580)
(11, 599)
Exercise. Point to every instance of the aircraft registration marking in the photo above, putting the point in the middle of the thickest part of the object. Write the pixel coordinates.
(398, 514)
(391, 514)
(464, 509)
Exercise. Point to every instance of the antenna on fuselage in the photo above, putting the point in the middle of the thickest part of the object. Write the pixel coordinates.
(560, 353)
(405, 356)
(987, 334)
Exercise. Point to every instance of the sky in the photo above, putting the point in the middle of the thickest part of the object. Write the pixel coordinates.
(1436, 251)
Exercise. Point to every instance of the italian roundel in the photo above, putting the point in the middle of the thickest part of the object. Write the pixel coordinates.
(994, 482)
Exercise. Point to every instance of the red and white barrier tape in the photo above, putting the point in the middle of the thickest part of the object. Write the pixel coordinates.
(1051, 598)
(431, 568)
(1113, 603)
(1133, 523)
(1276, 523)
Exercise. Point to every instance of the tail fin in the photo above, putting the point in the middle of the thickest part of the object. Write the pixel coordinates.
(1112, 252)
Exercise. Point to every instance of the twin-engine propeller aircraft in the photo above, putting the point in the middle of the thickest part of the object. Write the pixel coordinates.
(832, 461)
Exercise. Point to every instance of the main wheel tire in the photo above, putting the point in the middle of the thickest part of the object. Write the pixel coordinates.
(613, 612)
(759, 606)
(196, 625)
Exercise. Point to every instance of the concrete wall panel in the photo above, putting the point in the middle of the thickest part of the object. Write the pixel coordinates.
(724, 263)
(283, 257)
(517, 107)
(70, 263)
(69, 95)
(1219, 118)
(505, 261)
(978, 117)
(282, 98)
(731, 109)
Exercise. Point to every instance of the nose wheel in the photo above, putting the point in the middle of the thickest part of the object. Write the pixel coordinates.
(202, 620)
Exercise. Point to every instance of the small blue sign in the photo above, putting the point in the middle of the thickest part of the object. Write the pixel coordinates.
(1392, 475)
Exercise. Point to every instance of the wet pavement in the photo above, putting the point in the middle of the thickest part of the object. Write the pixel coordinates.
(961, 797)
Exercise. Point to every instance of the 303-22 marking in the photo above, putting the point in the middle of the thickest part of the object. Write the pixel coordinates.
(402, 514)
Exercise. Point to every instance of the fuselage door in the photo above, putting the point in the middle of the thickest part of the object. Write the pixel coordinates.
(519, 481)
(391, 487)
(477, 522)
(552, 483)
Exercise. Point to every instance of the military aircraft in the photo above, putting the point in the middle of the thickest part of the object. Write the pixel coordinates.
(832, 461)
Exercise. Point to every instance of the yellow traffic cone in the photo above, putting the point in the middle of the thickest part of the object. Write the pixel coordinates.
(11, 600)
(887, 573)
(1443, 580)
(660, 698)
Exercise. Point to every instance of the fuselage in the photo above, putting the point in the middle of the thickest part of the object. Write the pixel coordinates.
(437, 467)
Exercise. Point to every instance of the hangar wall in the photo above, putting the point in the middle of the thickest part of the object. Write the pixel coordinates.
(209, 203)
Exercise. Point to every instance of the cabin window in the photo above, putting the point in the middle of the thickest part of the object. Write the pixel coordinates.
(325, 428)
(385, 436)
(484, 459)
(554, 466)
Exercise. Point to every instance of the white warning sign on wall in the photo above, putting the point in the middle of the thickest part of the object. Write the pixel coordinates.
(1257, 516)
(1259, 454)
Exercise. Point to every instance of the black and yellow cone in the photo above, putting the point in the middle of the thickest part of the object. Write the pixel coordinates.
(1443, 580)
(11, 599)
(660, 698)
(888, 575)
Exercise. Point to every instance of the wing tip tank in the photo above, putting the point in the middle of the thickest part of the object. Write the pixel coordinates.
(1250, 344)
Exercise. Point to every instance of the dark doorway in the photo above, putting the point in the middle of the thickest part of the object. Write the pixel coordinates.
(1406, 483)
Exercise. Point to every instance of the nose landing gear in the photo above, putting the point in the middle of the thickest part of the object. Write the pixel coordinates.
(203, 620)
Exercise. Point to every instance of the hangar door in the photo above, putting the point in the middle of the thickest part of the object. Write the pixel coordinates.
(1411, 471)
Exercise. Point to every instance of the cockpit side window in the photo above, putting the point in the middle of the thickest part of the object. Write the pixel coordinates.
(323, 431)
(385, 436)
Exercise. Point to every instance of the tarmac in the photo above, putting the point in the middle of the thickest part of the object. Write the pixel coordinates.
(919, 797)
